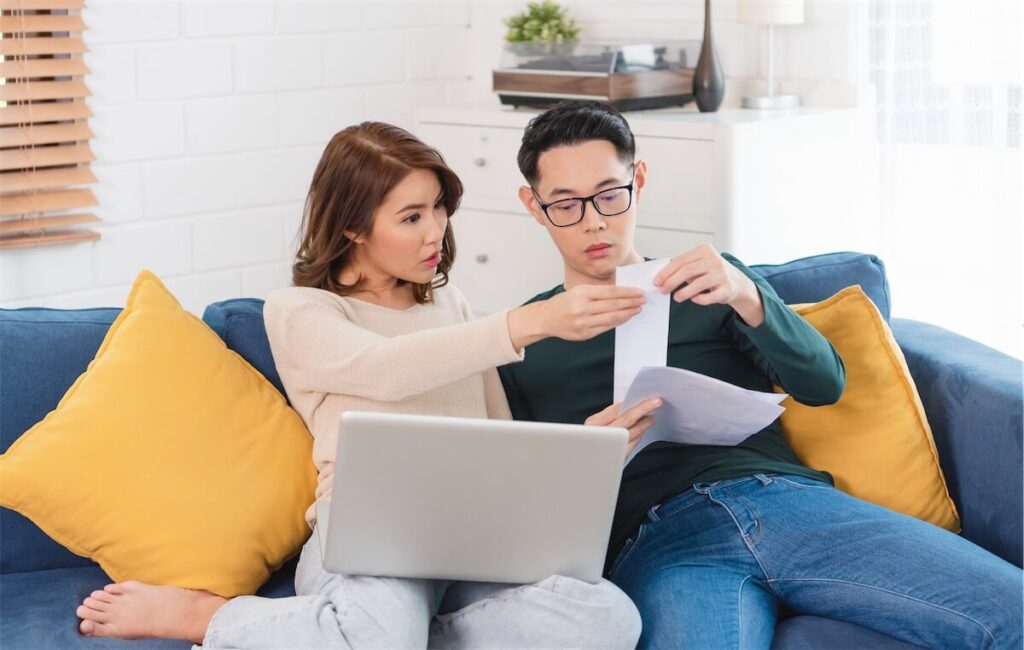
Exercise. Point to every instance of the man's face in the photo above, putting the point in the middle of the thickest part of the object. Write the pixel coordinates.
(595, 246)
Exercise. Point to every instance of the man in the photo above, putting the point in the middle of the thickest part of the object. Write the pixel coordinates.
(712, 542)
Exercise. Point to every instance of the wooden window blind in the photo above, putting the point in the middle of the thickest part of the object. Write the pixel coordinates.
(44, 125)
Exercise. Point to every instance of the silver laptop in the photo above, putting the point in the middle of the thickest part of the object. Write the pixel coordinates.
(469, 499)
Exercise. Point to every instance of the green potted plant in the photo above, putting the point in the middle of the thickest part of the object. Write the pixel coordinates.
(543, 28)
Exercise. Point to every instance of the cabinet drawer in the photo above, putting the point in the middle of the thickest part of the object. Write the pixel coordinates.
(655, 242)
(502, 260)
(484, 157)
(682, 183)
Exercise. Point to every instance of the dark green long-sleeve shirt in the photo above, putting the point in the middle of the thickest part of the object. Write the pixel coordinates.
(568, 381)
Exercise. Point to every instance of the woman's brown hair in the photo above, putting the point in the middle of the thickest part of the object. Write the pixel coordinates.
(360, 165)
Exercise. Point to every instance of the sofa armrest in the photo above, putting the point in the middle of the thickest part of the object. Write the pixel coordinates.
(972, 395)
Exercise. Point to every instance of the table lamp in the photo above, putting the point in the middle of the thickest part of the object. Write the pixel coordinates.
(771, 13)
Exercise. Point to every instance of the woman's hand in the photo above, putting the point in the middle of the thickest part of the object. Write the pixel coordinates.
(577, 314)
(636, 420)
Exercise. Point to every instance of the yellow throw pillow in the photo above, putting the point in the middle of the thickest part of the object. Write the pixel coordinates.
(875, 440)
(170, 460)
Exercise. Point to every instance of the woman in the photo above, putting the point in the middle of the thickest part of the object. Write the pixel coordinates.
(371, 324)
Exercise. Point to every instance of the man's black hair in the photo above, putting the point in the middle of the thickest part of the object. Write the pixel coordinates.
(572, 122)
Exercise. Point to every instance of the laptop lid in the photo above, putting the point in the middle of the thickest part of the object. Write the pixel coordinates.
(471, 499)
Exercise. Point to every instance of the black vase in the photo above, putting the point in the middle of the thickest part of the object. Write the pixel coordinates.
(708, 80)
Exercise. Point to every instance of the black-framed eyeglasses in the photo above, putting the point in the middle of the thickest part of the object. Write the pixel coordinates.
(569, 212)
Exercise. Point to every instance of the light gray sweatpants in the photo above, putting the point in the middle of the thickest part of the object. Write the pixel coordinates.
(335, 611)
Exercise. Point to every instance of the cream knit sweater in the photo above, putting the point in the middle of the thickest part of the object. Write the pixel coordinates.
(338, 354)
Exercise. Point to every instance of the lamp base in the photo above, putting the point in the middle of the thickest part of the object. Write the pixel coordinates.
(772, 101)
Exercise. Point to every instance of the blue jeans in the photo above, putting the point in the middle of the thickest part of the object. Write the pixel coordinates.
(715, 566)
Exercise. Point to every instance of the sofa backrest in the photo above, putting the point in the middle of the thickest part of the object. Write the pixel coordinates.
(812, 279)
(43, 351)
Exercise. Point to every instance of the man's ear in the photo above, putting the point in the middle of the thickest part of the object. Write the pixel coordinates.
(639, 178)
(531, 204)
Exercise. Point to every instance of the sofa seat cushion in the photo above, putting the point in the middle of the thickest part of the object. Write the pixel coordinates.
(39, 612)
(39, 608)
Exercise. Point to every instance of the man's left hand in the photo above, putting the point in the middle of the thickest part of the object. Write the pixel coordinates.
(704, 277)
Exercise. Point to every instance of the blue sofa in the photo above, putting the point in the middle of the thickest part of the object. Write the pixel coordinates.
(972, 395)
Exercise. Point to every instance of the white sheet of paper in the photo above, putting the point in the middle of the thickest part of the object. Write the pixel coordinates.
(642, 340)
(700, 410)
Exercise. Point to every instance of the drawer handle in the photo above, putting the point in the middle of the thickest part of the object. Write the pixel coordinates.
(482, 258)
(479, 162)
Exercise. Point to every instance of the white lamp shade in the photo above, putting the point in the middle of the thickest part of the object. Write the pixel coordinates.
(771, 12)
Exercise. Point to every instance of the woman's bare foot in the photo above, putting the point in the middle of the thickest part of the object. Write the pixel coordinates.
(132, 610)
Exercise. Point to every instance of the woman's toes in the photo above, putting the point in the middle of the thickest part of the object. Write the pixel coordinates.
(93, 603)
(86, 627)
(114, 588)
(102, 596)
(101, 629)
(90, 614)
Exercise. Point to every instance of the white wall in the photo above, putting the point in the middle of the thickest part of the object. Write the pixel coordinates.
(209, 120)
(210, 117)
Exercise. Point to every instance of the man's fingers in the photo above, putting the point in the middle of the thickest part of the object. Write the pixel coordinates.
(715, 295)
(695, 287)
(682, 273)
(606, 416)
(638, 412)
(676, 264)
(642, 425)
(687, 275)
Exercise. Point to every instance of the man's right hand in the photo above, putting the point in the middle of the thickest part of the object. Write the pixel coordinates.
(577, 314)
(636, 420)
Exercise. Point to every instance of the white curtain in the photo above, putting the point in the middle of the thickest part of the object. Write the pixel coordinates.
(948, 79)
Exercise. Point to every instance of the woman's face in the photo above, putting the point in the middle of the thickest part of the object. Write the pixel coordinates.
(408, 228)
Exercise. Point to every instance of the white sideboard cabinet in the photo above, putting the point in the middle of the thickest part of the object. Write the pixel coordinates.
(767, 186)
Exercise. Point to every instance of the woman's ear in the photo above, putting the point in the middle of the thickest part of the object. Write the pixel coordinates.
(354, 238)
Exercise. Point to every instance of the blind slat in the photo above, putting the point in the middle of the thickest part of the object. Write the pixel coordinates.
(45, 112)
(45, 157)
(15, 204)
(47, 45)
(32, 224)
(49, 238)
(44, 139)
(16, 69)
(37, 135)
(35, 23)
(45, 178)
(40, 90)
(32, 5)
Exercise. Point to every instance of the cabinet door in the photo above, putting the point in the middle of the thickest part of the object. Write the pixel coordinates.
(682, 190)
(502, 260)
(484, 157)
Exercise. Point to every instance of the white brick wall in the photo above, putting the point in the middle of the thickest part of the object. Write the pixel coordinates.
(210, 117)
